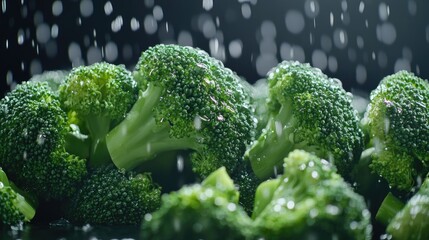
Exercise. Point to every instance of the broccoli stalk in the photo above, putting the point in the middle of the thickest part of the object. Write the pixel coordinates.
(407, 221)
(308, 111)
(188, 101)
(15, 207)
(139, 137)
(390, 206)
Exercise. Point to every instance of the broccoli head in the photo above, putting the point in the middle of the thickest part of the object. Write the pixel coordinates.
(112, 196)
(14, 207)
(99, 96)
(202, 211)
(397, 122)
(307, 111)
(310, 200)
(33, 133)
(189, 101)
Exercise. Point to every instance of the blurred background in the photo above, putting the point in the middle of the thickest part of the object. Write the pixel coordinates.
(358, 42)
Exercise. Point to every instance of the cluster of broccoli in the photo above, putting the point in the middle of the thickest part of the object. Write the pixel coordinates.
(285, 158)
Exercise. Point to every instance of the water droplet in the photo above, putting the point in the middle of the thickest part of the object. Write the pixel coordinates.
(319, 59)
(386, 33)
(54, 31)
(158, 13)
(311, 8)
(231, 207)
(290, 204)
(332, 64)
(361, 74)
(295, 21)
(43, 33)
(20, 36)
(331, 19)
(402, 64)
(207, 5)
(150, 24)
(93, 55)
(361, 7)
(111, 51)
(332, 210)
(108, 8)
(180, 163)
(383, 11)
(314, 174)
(340, 38)
(116, 24)
(277, 208)
(185, 38)
(135, 24)
(3, 6)
(278, 128)
(197, 122)
(246, 11)
(57, 8)
(86, 8)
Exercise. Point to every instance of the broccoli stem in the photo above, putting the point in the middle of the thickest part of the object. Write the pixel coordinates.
(139, 138)
(390, 206)
(268, 152)
(98, 127)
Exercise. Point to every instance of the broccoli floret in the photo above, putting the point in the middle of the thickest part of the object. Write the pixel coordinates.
(308, 111)
(189, 101)
(202, 211)
(310, 200)
(412, 222)
(247, 183)
(33, 133)
(110, 196)
(397, 121)
(99, 95)
(14, 207)
(54, 78)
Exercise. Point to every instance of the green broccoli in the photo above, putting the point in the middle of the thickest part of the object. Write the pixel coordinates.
(189, 101)
(406, 221)
(111, 196)
(202, 211)
(307, 111)
(14, 207)
(247, 183)
(33, 133)
(397, 122)
(54, 78)
(310, 200)
(100, 96)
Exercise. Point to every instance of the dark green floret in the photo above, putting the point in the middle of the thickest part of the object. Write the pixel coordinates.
(110, 196)
(308, 111)
(14, 207)
(33, 134)
(310, 200)
(190, 101)
(397, 121)
(208, 211)
(99, 96)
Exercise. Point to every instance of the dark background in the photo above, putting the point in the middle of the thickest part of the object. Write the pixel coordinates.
(358, 42)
